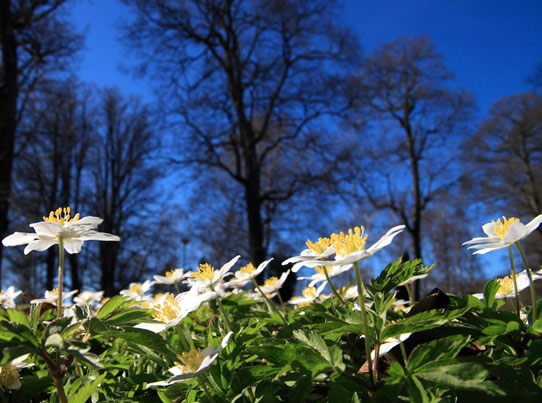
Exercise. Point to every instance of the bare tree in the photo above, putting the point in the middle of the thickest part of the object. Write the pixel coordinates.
(124, 176)
(35, 40)
(248, 79)
(415, 122)
(49, 168)
(506, 152)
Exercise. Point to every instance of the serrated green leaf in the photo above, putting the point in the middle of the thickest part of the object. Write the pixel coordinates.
(143, 337)
(447, 347)
(18, 317)
(333, 355)
(416, 391)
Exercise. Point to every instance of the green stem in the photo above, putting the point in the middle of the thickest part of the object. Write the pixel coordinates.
(531, 282)
(361, 299)
(270, 305)
(328, 278)
(221, 308)
(182, 337)
(513, 266)
(403, 353)
(60, 275)
(202, 380)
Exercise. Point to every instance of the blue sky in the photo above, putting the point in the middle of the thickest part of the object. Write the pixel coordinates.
(490, 45)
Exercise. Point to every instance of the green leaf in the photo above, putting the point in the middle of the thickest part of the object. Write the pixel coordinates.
(501, 328)
(447, 347)
(84, 392)
(490, 290)
(18, 317)
(333, 354)
(117, 302)
(10, 353)
(143, 337)
(416, 391)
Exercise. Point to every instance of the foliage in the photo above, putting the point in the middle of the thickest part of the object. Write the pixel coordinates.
(458, 348)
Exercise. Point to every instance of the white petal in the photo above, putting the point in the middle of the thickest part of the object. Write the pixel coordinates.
(516, 232)
(534, 223)
(40, 245)
(98, 236)
(19, 238)
(489, 229)
(73, 245)
(386, 239)
(47, 229)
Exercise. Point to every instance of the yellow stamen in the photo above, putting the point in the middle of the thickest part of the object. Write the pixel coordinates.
(320, 270)
(271, 281)
(309, 292)
(136, 288)
(171, 273)
(320, 246)
(249, 269)
(205, 271)
(501, 228)
(507, 285)
(167, 310)
(9, 374)
(61, 216)
(190, 361)
(345, 244)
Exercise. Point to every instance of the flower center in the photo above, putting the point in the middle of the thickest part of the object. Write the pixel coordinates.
(310, 292)
(136, 288)
(320, 246)
(61, 216)
(8, 375)
(190, 361)
(249, 269)
(205, 271)
(501, 228)
(167, 310)
(345, 244)
(507, 285)
(171, 273)
(271, 281)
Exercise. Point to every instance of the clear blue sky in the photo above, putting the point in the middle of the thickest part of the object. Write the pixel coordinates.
(490, 45)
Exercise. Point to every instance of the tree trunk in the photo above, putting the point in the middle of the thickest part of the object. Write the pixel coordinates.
(9, 92)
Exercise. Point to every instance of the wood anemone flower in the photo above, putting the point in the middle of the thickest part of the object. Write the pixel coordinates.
(193, 363)
(73, 231)
(503, 234)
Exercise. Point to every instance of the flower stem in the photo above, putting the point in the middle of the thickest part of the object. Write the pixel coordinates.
(270, 305)
(221, 308)
(531, 282)
(60, 275)
(361, 299)
(513, 267)
(332, 286)
(202, 380)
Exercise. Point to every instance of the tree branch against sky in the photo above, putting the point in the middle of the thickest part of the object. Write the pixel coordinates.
(415, 122)
(247, 80)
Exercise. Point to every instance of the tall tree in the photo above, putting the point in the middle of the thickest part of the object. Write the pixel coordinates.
(507, 152)
(124, 176)
(415, 122)
(248, 79)
(34, 40)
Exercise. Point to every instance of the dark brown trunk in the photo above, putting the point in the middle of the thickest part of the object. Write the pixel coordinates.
(9, 92)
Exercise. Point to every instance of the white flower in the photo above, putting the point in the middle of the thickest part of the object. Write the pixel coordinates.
(7, 298)
(506, 289)
(320, 276)
(193, 363)
(503, 234)
(273, 284)
(51, 297)
(174, 276)
(348, 248)
(169, 311)
(208, 277)
(88, 298)
(310, 294)
(9, 373)
(138, 291)
(247, 273)
(73, 231)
